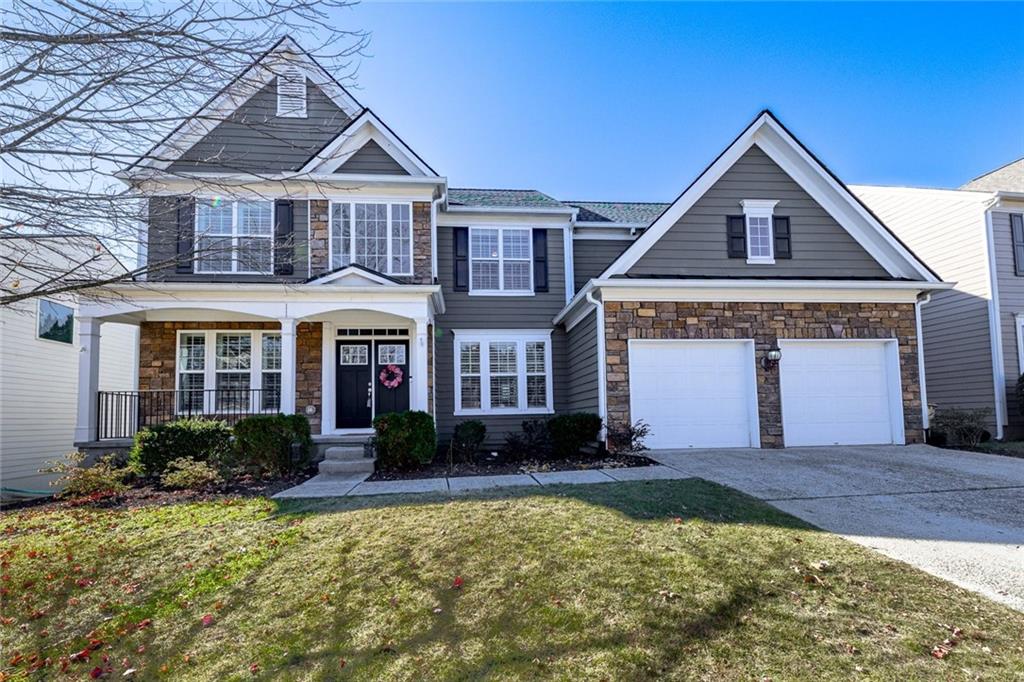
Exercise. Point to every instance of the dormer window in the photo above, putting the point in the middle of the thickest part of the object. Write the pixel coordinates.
(758, 218)
(291, 92)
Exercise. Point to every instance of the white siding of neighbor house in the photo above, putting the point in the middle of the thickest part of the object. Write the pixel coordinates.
(946, 228)
(39, 390)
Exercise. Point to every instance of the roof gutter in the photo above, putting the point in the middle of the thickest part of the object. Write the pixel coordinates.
(554, 210)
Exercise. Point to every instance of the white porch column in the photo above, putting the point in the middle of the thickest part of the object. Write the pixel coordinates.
(419, 367)
(287, 365)
(88, 378)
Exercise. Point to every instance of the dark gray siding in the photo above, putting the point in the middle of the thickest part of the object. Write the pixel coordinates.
(696, 244)
(371, 159)
(254, 139)
(581, 359)
(496, 312)
(163, 245)
(1011, 304)
(591, 256)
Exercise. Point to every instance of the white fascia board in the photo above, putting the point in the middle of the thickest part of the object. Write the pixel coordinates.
(782, 148)
(353, 273)
(602, 224)
(604, 233)
(350, 140)
(539, 210)
(292, 186)
(578, 316)
(506, 219)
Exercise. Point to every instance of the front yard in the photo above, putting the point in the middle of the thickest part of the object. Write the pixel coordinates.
(681, 579)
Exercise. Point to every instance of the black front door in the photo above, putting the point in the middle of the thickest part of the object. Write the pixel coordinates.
(354, 391)
(391, 397)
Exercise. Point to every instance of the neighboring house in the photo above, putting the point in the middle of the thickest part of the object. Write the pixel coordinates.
(973, 334)
(765, 306)
(39, 357)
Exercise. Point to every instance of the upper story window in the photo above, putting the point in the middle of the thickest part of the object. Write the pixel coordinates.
(377, 236)
(1017, 235)
(234, 236)
(291, 92)
(56, 322)
(758, 215)
(500, 260)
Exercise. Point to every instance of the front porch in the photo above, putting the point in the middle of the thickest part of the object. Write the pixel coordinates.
(341, 354)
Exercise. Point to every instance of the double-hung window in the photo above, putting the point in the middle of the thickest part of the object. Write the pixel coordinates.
(503, 372)
(234, 236)
(377, 236)
(758, 214)
(229, 372)
(501, 260)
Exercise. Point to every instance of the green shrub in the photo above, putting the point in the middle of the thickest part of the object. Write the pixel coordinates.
(404, 439)
(101, 479)
(1020, 394)
(189, 474)
(467, 439)
(263, 443)
(629, 439)
(570, 432)
(199, 439)
(533, 442)
(960, 426)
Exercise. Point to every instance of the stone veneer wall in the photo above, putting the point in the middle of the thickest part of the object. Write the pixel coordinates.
(319, 242)
(158, 357)
(764, 322)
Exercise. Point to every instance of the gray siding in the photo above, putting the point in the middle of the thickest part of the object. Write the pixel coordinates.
(696, 244)
(1011, 303)
(581, 359)
(591, 256)
(496, 312)
(373, 160)
(254, 139)
(163, 245)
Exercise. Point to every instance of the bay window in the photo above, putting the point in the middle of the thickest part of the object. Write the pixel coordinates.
(234, 236)
(501, 260)
(503, 372)
(377, 236)
(228, 372)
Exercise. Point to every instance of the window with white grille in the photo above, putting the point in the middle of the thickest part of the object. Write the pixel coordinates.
(503, 372)
(500, 259)
(375, 235)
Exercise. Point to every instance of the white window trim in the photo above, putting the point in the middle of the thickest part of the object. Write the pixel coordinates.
(210, 365)
(501, 290)
(74, 322)
(760, 208)
(234, 239)
(521, 337)
(352, 233)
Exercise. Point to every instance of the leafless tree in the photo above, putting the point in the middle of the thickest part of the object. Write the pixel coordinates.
(89, 86)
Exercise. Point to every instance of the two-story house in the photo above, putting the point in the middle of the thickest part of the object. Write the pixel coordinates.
(305, 258)
(974, 333)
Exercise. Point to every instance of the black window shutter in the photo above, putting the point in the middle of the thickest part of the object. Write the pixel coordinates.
(540, 260)
(284, 237)
(736, 236)
(185, 234)
(1017, 231)
(783, 242)
(460, 240)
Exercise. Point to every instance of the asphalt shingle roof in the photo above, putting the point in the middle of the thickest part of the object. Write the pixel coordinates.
(1009, 178)
(503, 198)
(639, 212)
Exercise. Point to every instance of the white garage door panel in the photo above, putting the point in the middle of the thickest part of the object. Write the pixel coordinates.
(838, 393)
(692, 393)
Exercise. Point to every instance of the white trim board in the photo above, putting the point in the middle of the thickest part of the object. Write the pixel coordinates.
(521, 337)
(350, 140)
(771, 137)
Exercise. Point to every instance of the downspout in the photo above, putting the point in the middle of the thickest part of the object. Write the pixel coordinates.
(567, 244)
(922, 300)
(433, 234)
(602, 369)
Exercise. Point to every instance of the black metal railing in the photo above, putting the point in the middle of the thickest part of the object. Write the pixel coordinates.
(122, 413)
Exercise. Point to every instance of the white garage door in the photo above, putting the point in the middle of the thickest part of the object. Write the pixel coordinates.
(694, 394)
(840, 392)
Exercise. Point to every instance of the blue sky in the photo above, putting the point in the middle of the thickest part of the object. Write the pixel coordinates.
(631, 101)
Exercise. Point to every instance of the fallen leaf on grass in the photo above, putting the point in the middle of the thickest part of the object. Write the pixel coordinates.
(207, 620)
(457, 583)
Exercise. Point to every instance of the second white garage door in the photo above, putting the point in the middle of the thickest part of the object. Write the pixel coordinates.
(694, 394)
(839, 392)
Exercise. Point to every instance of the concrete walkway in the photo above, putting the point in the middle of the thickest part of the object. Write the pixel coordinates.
(356, 484)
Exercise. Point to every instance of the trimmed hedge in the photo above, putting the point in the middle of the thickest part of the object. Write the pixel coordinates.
(203, 440)
(264, 443)
(467, 439)
(404, 439)
(570, 432)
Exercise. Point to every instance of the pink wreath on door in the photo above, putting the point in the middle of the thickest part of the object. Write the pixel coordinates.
(391, 376)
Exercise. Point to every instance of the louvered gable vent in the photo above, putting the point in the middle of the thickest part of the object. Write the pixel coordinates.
(291, 92)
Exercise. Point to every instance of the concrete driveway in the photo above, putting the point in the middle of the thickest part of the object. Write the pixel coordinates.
(957, 515)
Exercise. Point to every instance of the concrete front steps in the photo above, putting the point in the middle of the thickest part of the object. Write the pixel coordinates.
(340, 460)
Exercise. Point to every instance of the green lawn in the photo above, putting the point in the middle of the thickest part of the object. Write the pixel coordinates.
(682, 579)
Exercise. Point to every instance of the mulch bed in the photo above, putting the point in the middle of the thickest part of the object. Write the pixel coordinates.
(150, 495)
(439, 467)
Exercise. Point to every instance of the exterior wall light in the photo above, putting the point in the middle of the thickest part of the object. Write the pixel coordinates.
(771, 358)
